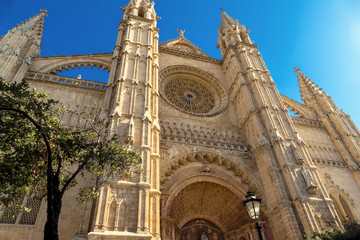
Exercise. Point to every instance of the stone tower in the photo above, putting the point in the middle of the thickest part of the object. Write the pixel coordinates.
(131, 105)
(291, 182)
(208, 130)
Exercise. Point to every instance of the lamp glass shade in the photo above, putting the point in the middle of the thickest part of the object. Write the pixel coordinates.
(253, 208)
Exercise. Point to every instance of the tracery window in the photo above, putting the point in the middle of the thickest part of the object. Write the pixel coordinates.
(192, 90)
(190, 95)
(342, 208)
(16, 216)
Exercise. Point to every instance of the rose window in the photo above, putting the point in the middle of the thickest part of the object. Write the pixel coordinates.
(192, 90)
(189, 95)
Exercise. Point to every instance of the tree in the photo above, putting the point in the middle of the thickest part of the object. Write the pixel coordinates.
(38, 153)
(352, 232)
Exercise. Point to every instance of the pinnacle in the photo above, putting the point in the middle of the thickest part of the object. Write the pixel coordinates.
(33, 26)
(307, 87)
(226, 21)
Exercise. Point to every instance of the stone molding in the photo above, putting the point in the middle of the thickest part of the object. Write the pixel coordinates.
(117, 235)
(337, 190)
(51, 64)
(332, 163)
(208, 158)
(189, 55)
(181, 44)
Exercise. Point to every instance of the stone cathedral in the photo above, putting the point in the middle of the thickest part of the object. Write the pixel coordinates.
(208, 130)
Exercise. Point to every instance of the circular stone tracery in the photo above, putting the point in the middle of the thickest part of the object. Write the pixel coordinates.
(192, 90)
(189, 95)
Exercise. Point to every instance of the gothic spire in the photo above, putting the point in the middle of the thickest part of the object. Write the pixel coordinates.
(307, 87)
(32, 28)
(19, 46)
(226, 22)
(231, 33)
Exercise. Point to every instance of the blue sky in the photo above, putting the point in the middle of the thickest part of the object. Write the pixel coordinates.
(321, 37)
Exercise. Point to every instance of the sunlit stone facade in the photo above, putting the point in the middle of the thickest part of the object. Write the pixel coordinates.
(208, 130)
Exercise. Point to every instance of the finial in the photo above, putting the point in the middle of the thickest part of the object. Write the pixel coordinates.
(43, 11)
(297, 70)
(181, 33)
(221, 9)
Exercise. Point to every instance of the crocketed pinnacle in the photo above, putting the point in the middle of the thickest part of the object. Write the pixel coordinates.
(226, 21)
(306, 86)
(32, 27)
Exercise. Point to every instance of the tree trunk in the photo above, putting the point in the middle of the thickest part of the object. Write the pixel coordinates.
(53, 213)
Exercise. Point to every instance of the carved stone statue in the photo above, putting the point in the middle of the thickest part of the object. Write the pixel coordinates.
(309, 180)
(308, 177)
(204, 237)
(181, 33)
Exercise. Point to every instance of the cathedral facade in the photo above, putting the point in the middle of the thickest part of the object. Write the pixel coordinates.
(208, 131)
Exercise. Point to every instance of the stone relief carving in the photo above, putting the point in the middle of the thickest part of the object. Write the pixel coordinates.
(309, 180)
(239, 169)
(202, 136)
(297, 155)
(204, 237)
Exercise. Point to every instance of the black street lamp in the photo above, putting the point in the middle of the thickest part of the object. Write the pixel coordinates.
(252, 205)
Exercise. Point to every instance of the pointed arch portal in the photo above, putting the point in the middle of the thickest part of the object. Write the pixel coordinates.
(206, 202)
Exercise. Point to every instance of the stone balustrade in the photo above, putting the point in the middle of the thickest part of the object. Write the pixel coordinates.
(65, 80)
(332, 163)
(308, 122)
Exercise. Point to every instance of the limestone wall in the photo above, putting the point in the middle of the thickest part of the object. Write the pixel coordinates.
(80, 103)
(333, 170)
(183, 133)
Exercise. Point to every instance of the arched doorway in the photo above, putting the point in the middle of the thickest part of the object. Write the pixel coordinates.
(210, 211)
(212, 202)
(202, 196)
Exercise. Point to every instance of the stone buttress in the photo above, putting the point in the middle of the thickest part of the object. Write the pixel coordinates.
(294, 192)
(342, 130)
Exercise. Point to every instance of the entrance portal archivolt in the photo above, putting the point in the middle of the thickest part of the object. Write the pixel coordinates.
(205, 201)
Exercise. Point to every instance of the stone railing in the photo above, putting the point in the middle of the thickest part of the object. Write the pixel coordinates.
(65, 80)
(308, 122)
(332, 163)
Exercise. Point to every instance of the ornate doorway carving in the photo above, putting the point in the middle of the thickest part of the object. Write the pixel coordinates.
(200, 229)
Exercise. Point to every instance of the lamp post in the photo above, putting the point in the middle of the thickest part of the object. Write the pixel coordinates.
(252, 205)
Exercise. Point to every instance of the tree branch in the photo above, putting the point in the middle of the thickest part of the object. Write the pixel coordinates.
(57, 173)
(67, 183)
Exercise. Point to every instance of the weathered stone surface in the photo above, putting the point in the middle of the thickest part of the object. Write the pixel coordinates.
(208, 131)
